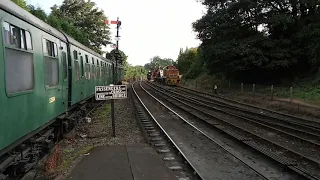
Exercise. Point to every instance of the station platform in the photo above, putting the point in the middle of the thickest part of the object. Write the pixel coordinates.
(122, 162)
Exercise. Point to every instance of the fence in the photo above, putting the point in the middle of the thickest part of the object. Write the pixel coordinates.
(225, 87)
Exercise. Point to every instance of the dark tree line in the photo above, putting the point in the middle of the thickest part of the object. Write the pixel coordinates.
(258, 40)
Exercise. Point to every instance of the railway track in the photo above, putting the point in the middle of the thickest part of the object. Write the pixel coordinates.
(311, 123)
(158, 137)
(302, 133)
(206, 154)
(305, 163)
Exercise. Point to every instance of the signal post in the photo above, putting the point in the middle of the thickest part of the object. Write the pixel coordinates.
(113, 91)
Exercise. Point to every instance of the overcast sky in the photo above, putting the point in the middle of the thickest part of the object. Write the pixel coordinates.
(149, 27)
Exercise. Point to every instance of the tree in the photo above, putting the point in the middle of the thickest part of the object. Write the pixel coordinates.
(21, 3)
(135, 72)
(185, 59)
(190, 63)
(157, 61)
(38, 12)
(234, 44)
(83, 21)
(121, 56)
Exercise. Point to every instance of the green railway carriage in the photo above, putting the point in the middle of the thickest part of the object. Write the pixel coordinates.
(43, 74)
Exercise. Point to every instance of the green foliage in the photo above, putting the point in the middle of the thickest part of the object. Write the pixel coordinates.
(185, 59)
(135, 72)
(121, 57)
(190, 63)
(83, 21)
(157, 61)
(234, 45)
(22, 4)
(38, 12)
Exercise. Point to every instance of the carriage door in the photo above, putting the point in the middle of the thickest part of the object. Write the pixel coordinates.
(82, 77)
(65, 84)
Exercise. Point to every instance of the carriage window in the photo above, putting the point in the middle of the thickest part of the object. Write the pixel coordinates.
(98, 72)
(19, 71)
(82, 69)
(50, 48)
(88, 71)
(17, 37)
(103, 69)
(92, 61)
(76, 67)
(51, 62)
(97, 62)
(28, 40)
(87, 59)
(75, 55)
(19, 65)
(52, 71)
(65, 65)
(6, 32)
(23, 37)
(93, 72)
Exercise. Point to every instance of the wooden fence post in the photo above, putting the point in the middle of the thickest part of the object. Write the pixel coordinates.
(291, 92)
(271, 92)
(241, 87)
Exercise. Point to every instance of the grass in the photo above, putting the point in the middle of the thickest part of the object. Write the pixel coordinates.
(308, 93)
(103, 111)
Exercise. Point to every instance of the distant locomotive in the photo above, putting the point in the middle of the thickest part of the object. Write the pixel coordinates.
(149, 76)
(171, 75)
(157, 75)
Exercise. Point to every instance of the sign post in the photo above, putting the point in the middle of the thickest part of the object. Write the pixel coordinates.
(111, 92)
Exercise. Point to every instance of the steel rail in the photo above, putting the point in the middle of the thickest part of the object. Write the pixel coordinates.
(199, 130)
(288, 164)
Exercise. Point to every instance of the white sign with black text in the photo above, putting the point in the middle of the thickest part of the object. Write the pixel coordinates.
(111, 92)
